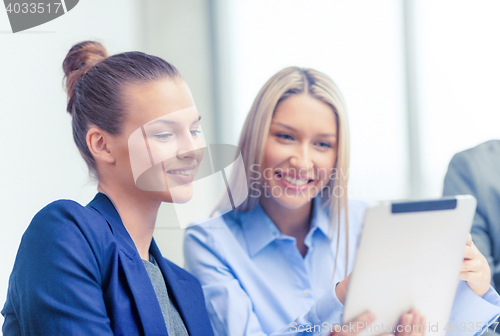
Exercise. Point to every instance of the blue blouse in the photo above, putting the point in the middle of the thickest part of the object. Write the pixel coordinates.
(256, 282)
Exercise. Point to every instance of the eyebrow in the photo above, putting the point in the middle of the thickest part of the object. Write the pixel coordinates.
(295, 130)
(170, 121)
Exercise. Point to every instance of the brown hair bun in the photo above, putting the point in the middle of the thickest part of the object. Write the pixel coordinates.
(94, 84)
(81, 58)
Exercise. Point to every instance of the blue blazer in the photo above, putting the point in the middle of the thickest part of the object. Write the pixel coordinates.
(77, 272)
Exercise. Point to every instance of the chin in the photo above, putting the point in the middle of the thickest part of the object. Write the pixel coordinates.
(181, 194)
(162, 196)
(291, 202)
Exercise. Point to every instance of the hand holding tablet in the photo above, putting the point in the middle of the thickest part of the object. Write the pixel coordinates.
(410, 324)
(410, 257)
(475, 269)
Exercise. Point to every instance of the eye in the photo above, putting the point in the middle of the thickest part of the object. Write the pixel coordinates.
(195, 133)
(163, 136)
(284, 136)
(324, 144)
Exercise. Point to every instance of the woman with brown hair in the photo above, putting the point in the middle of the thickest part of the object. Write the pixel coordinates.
(96, 269)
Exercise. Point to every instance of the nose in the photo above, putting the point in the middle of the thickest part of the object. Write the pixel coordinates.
(302, 159)
(187, 147)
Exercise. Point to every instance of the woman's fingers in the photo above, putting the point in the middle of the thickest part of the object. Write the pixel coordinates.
(471, 265)
(361, 322)
(475, 269)
(421, 325)
(469, 253)
(470, 277)
(411, 324)
(341, 289)
(404, 327)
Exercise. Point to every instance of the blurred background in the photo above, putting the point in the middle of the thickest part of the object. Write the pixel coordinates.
(420, 78)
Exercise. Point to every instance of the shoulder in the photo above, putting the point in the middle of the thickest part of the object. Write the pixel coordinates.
(63, 216)
(353, 206)
(68, 228)
(485, 148)
(63, 239)
(484, 152)
(357, 210)
(215, 239)
(472, 168)
(357, 206)
(219, 225)
(65, 209)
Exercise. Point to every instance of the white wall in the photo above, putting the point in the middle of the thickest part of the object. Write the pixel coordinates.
(179, 31)
(39, 161)
(356, 42)
(459, 67)
(359, 43)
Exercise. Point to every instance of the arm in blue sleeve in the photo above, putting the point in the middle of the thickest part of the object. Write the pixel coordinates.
(54, 288)
(229, 306)
(472, 314)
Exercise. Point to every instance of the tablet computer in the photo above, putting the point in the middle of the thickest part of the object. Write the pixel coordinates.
(409, 257)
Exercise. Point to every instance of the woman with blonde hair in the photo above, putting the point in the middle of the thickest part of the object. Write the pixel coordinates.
(279, 263)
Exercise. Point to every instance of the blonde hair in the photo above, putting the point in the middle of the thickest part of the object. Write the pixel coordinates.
(288, 82)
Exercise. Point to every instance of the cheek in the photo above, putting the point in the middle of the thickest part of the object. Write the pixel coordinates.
(199, 153)
(271, 159)
(152, 179)
(325, 165)
(122, 157)
(162, 151)
(275, 154)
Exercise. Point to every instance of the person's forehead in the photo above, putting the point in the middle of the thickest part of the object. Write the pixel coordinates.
(187, 116)
(303, 117)
(152, 100)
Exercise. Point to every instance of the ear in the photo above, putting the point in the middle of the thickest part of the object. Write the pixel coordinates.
(97, 141)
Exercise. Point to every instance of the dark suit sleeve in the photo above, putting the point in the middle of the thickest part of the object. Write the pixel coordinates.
(462, 179)
(55, 286)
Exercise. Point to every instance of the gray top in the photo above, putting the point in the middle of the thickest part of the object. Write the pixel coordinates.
(173, 320)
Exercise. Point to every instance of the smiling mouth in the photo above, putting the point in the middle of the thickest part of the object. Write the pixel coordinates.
(294, 181)
(181, 172)
(183, 175)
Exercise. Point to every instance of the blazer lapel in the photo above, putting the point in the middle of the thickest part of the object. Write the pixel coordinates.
(180, 290)
(138, 280)
(144, 297)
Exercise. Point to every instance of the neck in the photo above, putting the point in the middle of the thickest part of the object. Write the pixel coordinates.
(291, 222)
(137, 213)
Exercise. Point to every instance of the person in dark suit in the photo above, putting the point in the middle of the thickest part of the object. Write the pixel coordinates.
(476, 171)
(96, 269)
